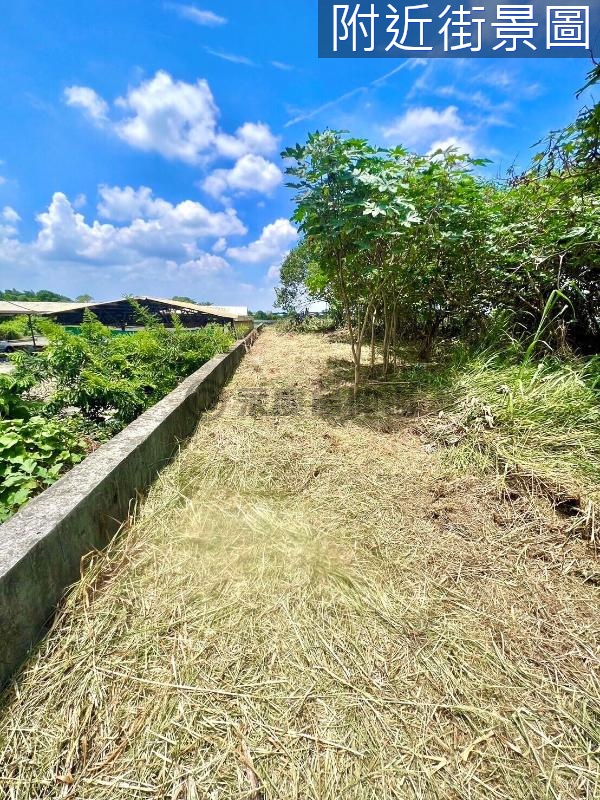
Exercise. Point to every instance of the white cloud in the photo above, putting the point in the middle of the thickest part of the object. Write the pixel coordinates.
(197, 15)
(282, 66)
(410, 64)
(2, 180)
(89, 101)
(272, 245)
(251, 137)
(165, 255)
(234, 58)
(10, 215)
(123, 204)
(274, 274)
(509, 82)
(179, 120)
(475, 98)
(463, 146)
(65, 234)
(9, 220)
(188, 218)
(168, 231)
(173, 118)
(250, 174)
(205, 264)
(419, 126)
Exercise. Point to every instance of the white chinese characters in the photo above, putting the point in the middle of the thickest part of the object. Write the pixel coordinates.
(456, 30)
(515, 24)
(346, 24)
(397, 27)
(408, 20)
(568, 26)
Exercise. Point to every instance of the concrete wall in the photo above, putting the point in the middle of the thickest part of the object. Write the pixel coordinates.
(42, 545)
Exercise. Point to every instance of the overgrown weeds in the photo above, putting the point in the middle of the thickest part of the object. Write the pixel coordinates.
(538, 423)
(535, 422)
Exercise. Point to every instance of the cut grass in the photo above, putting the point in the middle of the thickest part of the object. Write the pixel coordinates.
(309, 608)
(538, 423)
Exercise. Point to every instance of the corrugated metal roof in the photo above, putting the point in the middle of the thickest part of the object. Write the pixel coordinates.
(15, 307)
(18, 307)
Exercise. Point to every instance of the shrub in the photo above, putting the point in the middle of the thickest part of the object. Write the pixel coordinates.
(33, 454)
(114, 378)
(300, 324)
(19, 328)
(12, 329)
(101, 381)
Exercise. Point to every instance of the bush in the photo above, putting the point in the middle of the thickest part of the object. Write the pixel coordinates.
(12, 329)
(12, 404)
(112, 379)
(33, 454)
(19, 327)
(98, 383)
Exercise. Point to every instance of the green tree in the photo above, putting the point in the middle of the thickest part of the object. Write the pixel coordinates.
(347, 194)
(44, 295)
(293, 294)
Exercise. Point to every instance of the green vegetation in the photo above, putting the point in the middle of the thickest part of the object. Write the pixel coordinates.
(14, 328)
(42, 296)
(307, 324)
(34, 448)
(185, 299)
(537, 421)
(496, 284)
(91, 385)
(33, 454)
(423, 246)
(263, 315)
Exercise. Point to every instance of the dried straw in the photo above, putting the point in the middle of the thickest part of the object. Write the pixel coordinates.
(311, 605)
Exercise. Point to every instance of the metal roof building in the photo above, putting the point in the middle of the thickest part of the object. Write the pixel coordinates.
(121, 314)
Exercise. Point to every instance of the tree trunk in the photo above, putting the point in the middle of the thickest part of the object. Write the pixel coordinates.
(373, 343)
(394, 336)
(428, 342)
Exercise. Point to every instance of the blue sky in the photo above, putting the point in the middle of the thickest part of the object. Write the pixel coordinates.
(140, 141)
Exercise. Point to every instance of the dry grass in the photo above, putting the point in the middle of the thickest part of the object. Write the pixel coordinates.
(312, 606)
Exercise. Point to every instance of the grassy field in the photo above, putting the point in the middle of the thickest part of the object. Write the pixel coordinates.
(316, 602)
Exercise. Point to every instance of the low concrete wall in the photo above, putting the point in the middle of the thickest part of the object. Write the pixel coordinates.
(42, 545)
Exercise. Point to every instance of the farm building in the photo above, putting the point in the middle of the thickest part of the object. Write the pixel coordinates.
(121, 314)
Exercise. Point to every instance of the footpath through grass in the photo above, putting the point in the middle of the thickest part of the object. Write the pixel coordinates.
(312, 605)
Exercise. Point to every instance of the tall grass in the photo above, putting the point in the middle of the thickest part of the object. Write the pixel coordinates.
(531, 418)
(537, 421)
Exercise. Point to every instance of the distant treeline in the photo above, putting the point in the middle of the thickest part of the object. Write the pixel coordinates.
(43, 296)
(46, 296)
(260, 315)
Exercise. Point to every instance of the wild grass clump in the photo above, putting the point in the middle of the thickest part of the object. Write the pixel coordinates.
(538, 421)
